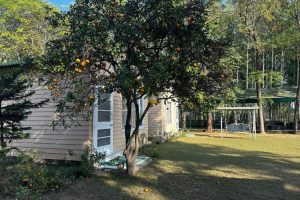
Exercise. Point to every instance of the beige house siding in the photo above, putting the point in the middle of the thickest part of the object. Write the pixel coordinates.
(57, 143)
(156, 119)
(118, 135)
(49, 143)
(158, 124)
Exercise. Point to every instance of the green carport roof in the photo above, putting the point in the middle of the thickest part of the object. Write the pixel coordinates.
(277, 95)
(273, 99)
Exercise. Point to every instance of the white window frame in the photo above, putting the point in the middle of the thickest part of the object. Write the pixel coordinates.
(103, 125)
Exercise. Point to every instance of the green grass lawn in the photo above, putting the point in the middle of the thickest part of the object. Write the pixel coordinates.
(206, 167)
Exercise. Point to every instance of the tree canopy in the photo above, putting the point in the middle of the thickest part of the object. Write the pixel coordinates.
(150, 49)
(24, 28)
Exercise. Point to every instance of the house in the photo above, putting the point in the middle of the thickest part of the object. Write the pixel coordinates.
(163, 118)
(103, 132)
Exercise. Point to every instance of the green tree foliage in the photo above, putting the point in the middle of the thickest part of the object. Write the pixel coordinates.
(140, 49)
(24, 28)
(273, 77)
(15, 106)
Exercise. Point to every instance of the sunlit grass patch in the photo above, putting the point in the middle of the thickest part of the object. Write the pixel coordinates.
(207, 167)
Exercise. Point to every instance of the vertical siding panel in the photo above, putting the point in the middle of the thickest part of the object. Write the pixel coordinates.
(156, 119)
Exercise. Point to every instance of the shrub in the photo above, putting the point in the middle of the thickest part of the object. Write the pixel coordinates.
(24, 178)
(157, 139)
(88, 160)
(177, 135)
(150, 150)
(27, 179)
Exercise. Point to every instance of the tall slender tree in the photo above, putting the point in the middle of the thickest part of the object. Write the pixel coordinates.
(295, 10)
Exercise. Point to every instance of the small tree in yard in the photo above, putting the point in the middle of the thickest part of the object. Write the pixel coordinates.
(139, 49)
(219, 88)
(14, 107)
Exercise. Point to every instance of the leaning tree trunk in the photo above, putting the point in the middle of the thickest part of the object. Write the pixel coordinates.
(209, 123)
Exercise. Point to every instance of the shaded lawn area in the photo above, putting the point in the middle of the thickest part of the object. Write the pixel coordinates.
(206, 167)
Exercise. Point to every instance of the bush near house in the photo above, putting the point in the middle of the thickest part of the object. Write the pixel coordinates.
(152, 149)
(23, 177)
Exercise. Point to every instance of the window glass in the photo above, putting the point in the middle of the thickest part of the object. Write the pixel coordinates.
(104, 101)
(103, 142)
(103, 116)
(104, 107)
(103, 133)
(103, 137)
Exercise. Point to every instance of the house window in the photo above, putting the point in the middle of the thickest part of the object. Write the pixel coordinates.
(169, 113)
(103, 137)
(133, 115)
(104, 107)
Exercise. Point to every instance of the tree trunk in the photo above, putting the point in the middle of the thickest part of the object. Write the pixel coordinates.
(131, 151)
(237, 76)
(272, 66)
(282, 64)
(260, 112)
(183, 118)
(2, 142)
(235, 117)
(263, 70)
(209, 123)
(296, 15)
(131, 166)
(130, 156)
(247, 68)
(297, 104)
(297, 74)
(128, 121)
(258, 95)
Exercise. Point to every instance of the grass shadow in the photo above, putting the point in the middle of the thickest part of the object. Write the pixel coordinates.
(188, 170)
